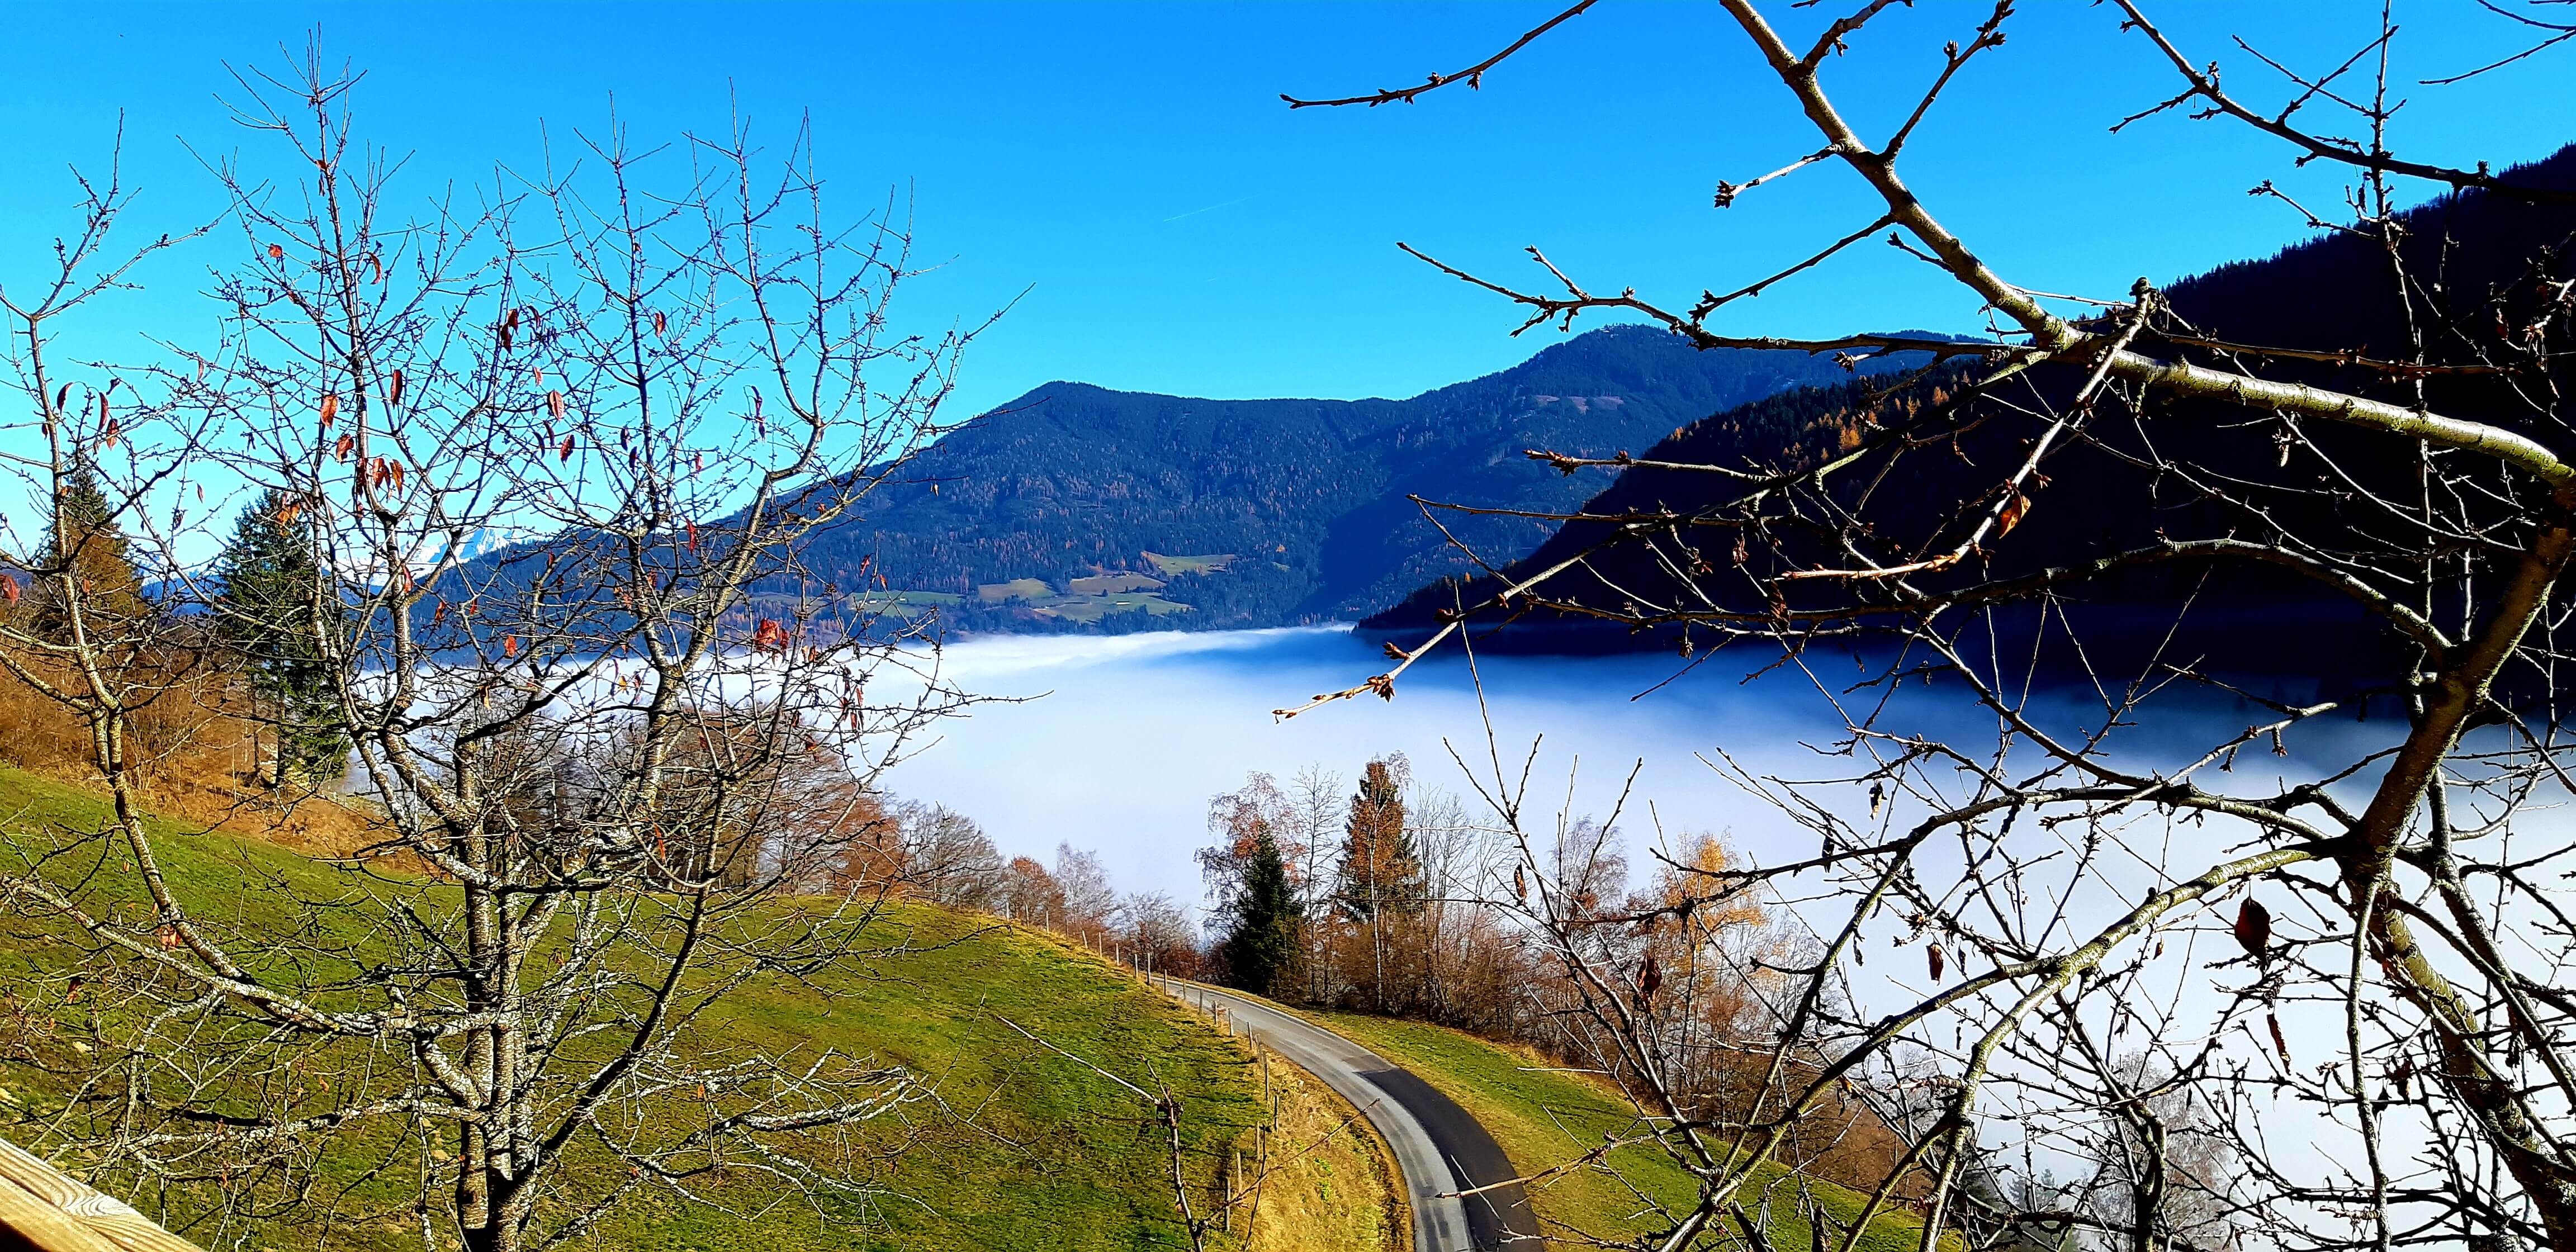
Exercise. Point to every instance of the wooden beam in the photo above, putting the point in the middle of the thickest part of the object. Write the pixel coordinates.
(43, 1209)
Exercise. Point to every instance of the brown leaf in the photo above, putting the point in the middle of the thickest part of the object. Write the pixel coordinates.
(9, 588)
(2012, 514)
(1649, 980)
(276, 252)
(567, 448)
(330, 410)
(1936, 959)
(347, 444)
(2253, 927)
(2273, 1020)
(555, 404)
(394, 396)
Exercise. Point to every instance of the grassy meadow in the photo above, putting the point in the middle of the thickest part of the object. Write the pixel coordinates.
(1547, 1117)
(1022, 1149)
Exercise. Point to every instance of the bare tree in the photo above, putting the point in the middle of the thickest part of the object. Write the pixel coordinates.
(948, 858)
(1315, 800)
(1090, 899)
(605, 761)
(2126, 962)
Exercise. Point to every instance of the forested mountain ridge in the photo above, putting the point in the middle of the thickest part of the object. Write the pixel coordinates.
(1078, 507)
(2330, 295)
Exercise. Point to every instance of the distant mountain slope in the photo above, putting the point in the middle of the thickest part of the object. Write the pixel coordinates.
(2329, 294)
(1263, 512)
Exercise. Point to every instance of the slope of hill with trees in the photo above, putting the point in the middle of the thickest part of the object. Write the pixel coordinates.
(1077, 507)
(1023, 1146)
(2323, 297)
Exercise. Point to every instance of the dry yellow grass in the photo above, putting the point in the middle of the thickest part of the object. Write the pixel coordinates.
(196, 762)
(1330, 1181)
(1311, 1176)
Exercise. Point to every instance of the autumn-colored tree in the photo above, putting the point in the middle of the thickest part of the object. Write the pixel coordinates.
(1711, 953)
(1030, 894)
(1380, 878)
(1156, 935)
(871, 851)
(1236, 820)
(1713, 977)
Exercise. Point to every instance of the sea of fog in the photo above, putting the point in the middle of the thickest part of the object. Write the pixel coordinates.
(1122, 740)
(1127, 738)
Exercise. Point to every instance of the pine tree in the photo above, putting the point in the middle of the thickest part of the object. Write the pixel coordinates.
(1262, 947)
(273, 581)
(85, 543)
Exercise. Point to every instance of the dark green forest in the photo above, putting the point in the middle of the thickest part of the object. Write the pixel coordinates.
(2329, 296)
(1300, 506)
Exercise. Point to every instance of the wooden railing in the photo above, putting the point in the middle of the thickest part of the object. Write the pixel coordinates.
(43, 1209)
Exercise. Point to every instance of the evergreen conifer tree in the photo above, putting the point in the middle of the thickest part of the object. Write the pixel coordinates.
(85, 543)
(272, 584)
(1262, 947)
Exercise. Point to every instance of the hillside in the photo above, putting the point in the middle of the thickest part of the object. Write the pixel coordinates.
(1546, 1116)
(1076, 507)
(2328, 295)
(1025, 1149)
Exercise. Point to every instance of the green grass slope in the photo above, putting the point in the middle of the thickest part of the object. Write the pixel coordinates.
(1024, 1150)
(1546, 1118)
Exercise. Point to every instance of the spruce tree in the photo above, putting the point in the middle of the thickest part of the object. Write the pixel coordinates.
(85, 543)
(1262, 947)
(273, 582)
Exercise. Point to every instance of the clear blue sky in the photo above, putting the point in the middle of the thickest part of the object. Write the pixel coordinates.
(1179, 230)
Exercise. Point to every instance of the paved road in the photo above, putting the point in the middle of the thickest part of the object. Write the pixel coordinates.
(1439, 1148)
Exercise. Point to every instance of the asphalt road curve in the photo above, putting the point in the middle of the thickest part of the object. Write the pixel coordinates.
(1439, 1148)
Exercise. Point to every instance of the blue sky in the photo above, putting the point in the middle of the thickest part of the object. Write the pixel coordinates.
(1176, 229)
